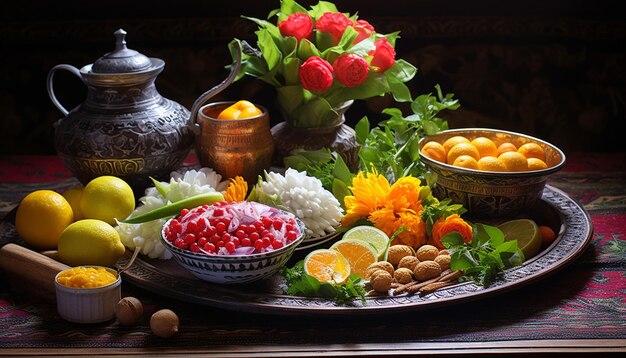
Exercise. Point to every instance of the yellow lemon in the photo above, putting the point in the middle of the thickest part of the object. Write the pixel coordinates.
(527, 234)
(90, 242)
(41, 217)
(73, 196)
(107, 198)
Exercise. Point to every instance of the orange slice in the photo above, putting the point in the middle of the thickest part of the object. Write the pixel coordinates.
(327, 265)
(359, 254)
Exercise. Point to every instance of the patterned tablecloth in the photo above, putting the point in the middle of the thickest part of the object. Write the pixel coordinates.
(583, 305)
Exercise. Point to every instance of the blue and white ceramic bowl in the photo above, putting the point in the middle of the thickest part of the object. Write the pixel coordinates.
(233, 269)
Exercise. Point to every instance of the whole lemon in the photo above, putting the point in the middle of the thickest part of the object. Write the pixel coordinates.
(90, 242)
(73, 196)
(107, 198)
(41, 217)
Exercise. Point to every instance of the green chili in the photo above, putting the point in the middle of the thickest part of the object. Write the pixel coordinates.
(163, 189)
(175, 207)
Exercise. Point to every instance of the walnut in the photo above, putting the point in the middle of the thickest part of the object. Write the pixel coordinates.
(443, 261)
(403, 275)
(380, 265)
(444, 252)
(426, 270)
(408, 262)
(381, 281)
(397, 252)
(427, 252)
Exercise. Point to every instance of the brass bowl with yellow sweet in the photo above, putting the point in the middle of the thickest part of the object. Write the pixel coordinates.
(492, 173)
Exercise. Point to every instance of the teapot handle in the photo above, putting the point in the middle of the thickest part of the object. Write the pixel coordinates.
(53, 98)
(234, 70)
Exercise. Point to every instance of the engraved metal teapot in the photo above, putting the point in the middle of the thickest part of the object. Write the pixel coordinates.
(124, 128)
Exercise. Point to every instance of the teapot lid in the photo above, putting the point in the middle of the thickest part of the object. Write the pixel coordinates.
(122, 59)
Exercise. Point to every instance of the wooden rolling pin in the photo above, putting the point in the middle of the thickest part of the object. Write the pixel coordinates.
(30, 270)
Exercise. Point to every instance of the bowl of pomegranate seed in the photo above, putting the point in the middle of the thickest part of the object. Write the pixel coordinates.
(232, 243)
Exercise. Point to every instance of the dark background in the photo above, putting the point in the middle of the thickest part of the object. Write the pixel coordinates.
(553, 69)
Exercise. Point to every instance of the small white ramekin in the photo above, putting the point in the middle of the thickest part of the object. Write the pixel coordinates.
(88, 305)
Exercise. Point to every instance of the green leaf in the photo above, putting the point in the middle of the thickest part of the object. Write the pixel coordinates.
(340, 190)
(341, 170)
(362, 130)
(271, 52)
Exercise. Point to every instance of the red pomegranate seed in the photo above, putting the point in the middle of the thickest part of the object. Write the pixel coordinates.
(240, 233)
(277, 244)
(230, 247)
(267, 222)
(246, 242)
(218, 212)
(226, 237)
(235, 240)
(258, 244)
(220, 243)
(194, 247)
(277, 223)
(192, 226)
(202, 241)
(266, 241)
(291, 235)
(180, 243)
(220, 227)
(190, 239)
(209, 247)
(254, 236)
(184, 212)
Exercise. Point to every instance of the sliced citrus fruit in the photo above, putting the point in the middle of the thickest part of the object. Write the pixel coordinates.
(527, 234)
(372, 235)
(359, 254)
(327, 265)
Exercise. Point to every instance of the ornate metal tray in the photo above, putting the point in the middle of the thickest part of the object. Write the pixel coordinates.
(168, 279)
(556, 208)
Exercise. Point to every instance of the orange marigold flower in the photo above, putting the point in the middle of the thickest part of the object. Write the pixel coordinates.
(453, 223)
(237, 190)
(369, 193)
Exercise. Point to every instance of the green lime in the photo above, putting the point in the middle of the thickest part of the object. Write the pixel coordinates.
(527, 234)
(374, 236)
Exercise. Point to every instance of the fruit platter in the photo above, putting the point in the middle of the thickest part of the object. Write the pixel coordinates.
(404, 214)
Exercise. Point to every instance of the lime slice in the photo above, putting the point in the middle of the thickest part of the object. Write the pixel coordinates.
(374, 236)
(359, 254)
(527, 234)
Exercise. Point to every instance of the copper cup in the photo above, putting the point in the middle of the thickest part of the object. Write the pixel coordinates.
(234, 147)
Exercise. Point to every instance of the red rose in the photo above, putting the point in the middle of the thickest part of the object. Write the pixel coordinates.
(298, 25)
(316, 74)
(351, 70)
(333, 23)
(384, 56)
(364, 29)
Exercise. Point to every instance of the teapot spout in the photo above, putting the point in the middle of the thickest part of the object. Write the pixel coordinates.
(236, 49)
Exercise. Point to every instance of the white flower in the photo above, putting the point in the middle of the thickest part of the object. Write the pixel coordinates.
(305, 197)
(147, 236)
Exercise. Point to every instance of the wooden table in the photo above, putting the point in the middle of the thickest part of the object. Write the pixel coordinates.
(579, 310)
